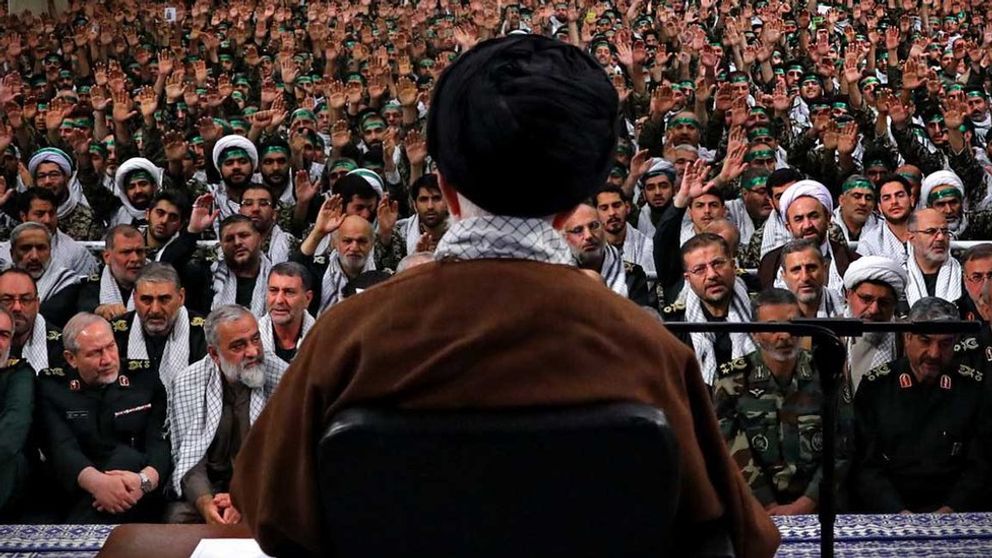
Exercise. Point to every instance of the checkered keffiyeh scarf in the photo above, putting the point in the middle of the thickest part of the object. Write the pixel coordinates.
(702, 342)
(280, 245)
(776, 233)
(196, 405)
(110, 292)
(265, 331)
(175, 358)
(881, 241)
(226, 286)
(948, 279)
(35, 351)
(832, 304)
(500, 237)
(54, 280)
(613, 271)
(333, 282)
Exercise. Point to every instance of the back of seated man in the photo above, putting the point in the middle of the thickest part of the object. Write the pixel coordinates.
(16, 410)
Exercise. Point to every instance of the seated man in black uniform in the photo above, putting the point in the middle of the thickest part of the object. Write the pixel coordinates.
(104, 431)
(108, 293)
(922, 426)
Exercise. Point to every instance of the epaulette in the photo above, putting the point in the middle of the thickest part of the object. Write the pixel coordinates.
(320, 260)
(968, 344)
(197, 322)
(877, 372)
(732, 367)
(52, 335)
(119, 325)
(12, 362)
(969, 372)
(679, 306)
(94, 278)
(133, 365)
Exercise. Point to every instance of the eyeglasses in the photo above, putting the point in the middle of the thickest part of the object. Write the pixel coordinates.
(44, 175)
(719, 265)
(979, 277)
(593, 227)
(933, 231)
(24, 300)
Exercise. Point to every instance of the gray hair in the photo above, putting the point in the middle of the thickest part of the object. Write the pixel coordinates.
(158, 272)
(413, 260)
(931, 308)
(222, 315)
(28, 226)
(79, 322)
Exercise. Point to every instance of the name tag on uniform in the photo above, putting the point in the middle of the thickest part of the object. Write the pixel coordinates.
(73, 415)
(132, 410)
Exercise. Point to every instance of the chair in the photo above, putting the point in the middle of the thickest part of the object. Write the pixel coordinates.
(596, 480)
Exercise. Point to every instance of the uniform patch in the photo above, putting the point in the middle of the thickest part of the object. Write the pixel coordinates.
(123, 381)
(71, 415)
(74, 385)
(53, 336)
(137, 409)
(945, 382)
(905, 381)
(988, 354)
(133, 365)
(320, 260)
(197, 322)
(968, 344)
(759, 442)
(756, 392)
(119, 325)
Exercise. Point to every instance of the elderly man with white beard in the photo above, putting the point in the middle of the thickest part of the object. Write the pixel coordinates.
(213, 404)
(872, 286)
(58, 287)
(930, 268)
(805, 274)
(287, 321)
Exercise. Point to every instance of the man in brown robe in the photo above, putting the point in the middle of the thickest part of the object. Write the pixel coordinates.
(516, 325)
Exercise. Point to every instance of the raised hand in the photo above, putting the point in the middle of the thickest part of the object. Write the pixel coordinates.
(209, 130)
(416, 148)
(122, 107)
(847, 139)
(203, 215)
(147, 101)
(175, 146)
(304, 188)
(662, 101)
(954, 114)
(406, 92)
(330, 216)
(340, 134)
(387, 214)
(693, 183)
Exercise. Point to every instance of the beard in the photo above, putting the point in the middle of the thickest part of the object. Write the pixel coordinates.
(587, 258)
(781, 353)
(251, 374)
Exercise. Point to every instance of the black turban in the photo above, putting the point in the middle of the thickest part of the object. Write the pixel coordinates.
(524, 126)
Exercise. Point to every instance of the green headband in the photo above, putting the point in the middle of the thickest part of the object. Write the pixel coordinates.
(955, 87)
(876, 163)
(755, 182)
(948, 192)
(857, 183)
(759, 108)
(140, 174)
(759, 133)
(810, 77)
(739, 78)
(797, 67)
(344, 164)
(870, 81)
(99, 148)
(685, 120)
(761, 153)
(975, 93)
(303, 113)
(234, 153)
(275, 149)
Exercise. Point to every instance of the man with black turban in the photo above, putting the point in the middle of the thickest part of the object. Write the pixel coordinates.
(515, 326)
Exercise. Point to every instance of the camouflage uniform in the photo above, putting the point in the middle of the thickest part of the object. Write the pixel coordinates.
(388, 257)
(774, 432)
(81, 225)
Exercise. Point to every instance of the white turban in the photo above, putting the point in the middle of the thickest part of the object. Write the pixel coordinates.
(50, 155)
(939, 178)
(234, 140)
(875, 268)
(372, 178)
(134, 164)
(805, 188)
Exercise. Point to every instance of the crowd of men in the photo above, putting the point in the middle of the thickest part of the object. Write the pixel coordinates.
(248, 165)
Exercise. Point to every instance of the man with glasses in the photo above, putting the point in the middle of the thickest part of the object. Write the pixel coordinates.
(931, 269)
(258, 205)
(35, 340)
(586, 237)
(976, 264)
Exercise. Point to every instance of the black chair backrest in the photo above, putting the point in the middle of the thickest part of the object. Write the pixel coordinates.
(596, 480)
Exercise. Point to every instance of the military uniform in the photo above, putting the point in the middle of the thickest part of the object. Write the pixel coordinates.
(921, 446)
(17, 404)
(774, 431)
(89, 293)
(156, 346)
(115, 426)
(722, 345)
(80, 224)
(53, 348)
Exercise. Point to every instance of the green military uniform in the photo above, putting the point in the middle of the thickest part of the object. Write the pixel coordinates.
(388, 257)
(921, 446)
(119, 426)
(774, 431)
(80, 224)
(16, 408)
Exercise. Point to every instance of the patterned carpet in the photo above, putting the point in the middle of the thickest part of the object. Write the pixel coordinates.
(52, 541)
(902, 536)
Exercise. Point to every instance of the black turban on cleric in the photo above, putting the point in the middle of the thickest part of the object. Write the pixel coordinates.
(523, 126)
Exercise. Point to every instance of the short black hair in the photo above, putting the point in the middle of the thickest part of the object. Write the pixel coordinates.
(427, 181)
(893, 177)
(771, 297)
(703, 240)
(234, 220)
(977, 252)
(36, 193)
(783, 176)
(176, 198)
(351, 186)
(294, 269)
(609, 189)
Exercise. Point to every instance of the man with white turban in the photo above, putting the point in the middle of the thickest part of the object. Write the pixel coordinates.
(235, 160)
(944, 191)
(872, 287)
(808, 209)
(657, 189)
(53, 170)
(136, 181)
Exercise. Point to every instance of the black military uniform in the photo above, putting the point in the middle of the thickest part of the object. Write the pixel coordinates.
(920, 446)
(53, 342)
(61, 307)
(17, 404)
(723, 347)
(89, 293)
(156, 345)
(115, 426)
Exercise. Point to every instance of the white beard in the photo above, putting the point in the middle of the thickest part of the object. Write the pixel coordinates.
(252, 376)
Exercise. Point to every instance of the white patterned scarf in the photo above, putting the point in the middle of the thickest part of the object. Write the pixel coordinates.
(54, 280)
(175, 357)
(501, 237)
(280, 245)
(639, 249)
(832, 304)
(110, 291)
(738, 215)
(881, 241)
(226, 286)
(333, 282)
(75, 198)
(644, 223)
(882, 343)
(265, 330)
(613, 272)
(948, 279)
(35, 351)
(196, 405)
(872, 223)
(739, 312)
(776, 233)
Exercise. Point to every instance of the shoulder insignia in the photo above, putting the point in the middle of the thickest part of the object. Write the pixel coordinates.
(320, 260)
(197, 322)
(739, 364)
(133, 365)
(53, 335)
(759, 442)
(52, 372)
(988, 354)
(74, 385)
(845, 393)
(968, 372)
(12, 362)
(123, 381)
(968, 344)
(628, 267)
(905, 381)
(119, 325)
(94, 278)
(756, 392)
(945, 381)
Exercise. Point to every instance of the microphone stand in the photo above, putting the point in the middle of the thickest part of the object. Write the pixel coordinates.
(830, 356)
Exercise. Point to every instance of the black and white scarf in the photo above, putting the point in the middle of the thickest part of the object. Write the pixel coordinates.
(832, 304)
(776, 233)
(110, 291)
(948, 279)
(280, 245)
(501, 237)
(175, 358)
(639, 249)
(226, 286)
(613, 272)
(739, 312)
(265, 330)
(35, 351)
(333, 282)
(881, 241)
(54, 280)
